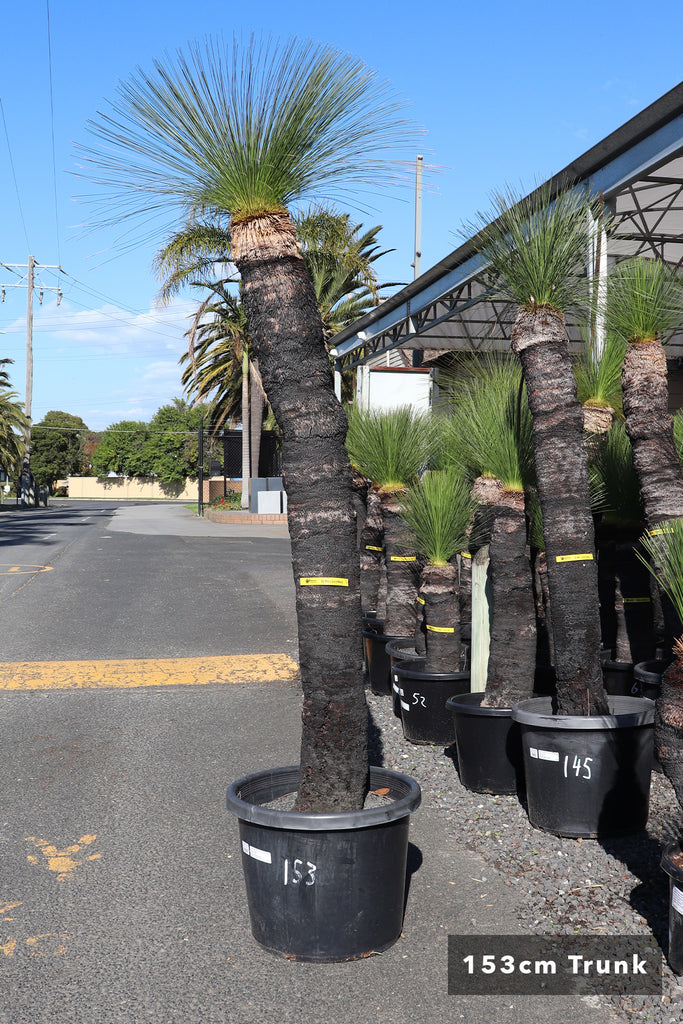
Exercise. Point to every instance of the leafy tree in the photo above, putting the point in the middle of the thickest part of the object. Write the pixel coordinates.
(57, 447)
(121, 450)
(245, 134)
(172, 447)
(13, 424)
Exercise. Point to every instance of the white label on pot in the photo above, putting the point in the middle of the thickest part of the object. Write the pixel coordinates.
(533, 752)
(677, 899)
(253, 851)
(548, 755)
(406, 707)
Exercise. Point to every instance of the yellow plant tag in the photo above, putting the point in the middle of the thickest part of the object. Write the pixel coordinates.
(372, 547)
(441, 629)
(465, 554)
(420, 600)
(660, 530)
(573, 558)
(323, 581)
(636, 600)
(403, 558)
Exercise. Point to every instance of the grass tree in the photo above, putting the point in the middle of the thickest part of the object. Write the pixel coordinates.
(437, 512)
(245, 132)
(536, 247)
(644, 305)
(664, 551)
(488, 433)
(598, 383)
(391, 449)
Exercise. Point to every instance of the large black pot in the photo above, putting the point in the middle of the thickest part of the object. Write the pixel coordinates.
(489, 745)
(672, 863)
(424, 715)
(324, 887)
(587, 776)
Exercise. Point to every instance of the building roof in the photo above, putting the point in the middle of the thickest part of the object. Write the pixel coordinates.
(638, 169)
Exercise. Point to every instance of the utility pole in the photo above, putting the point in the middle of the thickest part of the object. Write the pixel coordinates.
(28, 494)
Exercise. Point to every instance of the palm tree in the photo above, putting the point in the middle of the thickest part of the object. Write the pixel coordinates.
(534, 247)
(488, 433)
(13, 425)
(246, 134)
(644, 305)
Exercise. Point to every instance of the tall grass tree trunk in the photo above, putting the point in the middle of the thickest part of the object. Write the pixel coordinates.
(512, 651)
(538, 337)
(650, 428)
(287, 336)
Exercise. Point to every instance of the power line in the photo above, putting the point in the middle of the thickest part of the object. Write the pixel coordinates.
(14, 176)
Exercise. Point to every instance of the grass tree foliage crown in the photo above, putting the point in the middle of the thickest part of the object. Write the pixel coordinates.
(245, 130)
(437, 512)
(644, 300)
(536, 245)
(390, 447)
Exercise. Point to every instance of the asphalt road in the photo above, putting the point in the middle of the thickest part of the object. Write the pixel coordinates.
(97, 580)
(121, 891)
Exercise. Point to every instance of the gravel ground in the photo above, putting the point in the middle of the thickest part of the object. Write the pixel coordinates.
(610, 887)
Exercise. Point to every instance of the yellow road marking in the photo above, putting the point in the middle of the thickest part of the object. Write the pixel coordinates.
(7, 567)
(132, 672)
(61, 861)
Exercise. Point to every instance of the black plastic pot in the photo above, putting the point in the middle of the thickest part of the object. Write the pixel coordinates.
(672, 863)
(587, 776)
(399, 651)
(618, 679)
(489, 745)
(649, 674)
(324, 887)
(424, 715)
(377, 661)
(372, 623)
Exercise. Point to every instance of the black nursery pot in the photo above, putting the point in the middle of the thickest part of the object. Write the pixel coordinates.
(324, 887)
(587, 776)
(672, 863)
(400, 651)
(648, 675)
(377, 661)
(618, 679)
(424, 715)
(489, 745)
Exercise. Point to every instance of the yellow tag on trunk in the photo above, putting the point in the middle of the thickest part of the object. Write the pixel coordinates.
(323, 581)
(420, 600)
(403, 558)
(372, 547)
(465, 554)
(441, 629)
(573, 558)
(636, 600)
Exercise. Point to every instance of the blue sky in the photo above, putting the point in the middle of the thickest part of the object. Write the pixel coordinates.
(507, 93)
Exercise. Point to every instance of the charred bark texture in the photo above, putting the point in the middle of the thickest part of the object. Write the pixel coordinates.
(371, 552)
(441, 617)
(669, 726)
(287, 336)
(650, 428)
(512, 652)
(538, 337)
(402, 571)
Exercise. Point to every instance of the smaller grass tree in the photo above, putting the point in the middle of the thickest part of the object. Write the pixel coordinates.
(437, 512)
(391, 449)
(488, 433)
